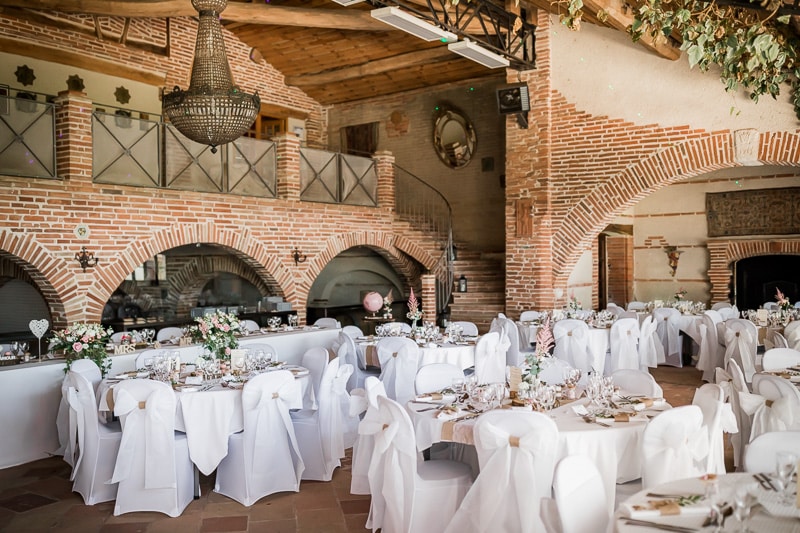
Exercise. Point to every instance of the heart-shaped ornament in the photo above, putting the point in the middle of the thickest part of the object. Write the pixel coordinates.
(39, 327)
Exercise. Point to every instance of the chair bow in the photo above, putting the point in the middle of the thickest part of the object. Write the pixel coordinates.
(741, 342)
(77, 428)
(358, 402)
(773, 416)
(390, 469)
(159, 438)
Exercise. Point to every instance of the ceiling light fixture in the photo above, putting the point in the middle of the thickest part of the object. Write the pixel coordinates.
(407, 22)
(478, 54)
(348, 2)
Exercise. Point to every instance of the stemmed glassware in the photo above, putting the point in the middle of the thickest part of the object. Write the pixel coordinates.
(785, 464)
(744, 499)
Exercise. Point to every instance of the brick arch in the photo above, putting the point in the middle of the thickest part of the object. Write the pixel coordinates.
(239, 242)
(714, 151)
(725, 252)
(44, 270)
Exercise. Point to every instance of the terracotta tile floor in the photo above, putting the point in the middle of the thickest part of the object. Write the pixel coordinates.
(37, 497)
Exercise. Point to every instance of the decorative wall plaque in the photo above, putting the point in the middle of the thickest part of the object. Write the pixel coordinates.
(756, 212)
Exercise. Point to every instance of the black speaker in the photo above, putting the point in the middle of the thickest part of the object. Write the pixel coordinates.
(513, 99)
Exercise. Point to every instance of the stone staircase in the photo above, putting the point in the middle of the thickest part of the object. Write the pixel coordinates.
(486, 284)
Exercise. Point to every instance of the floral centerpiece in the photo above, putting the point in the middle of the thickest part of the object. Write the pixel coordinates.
(680, 295)
(783, 302)
(387, 304)
(84, 341)
(217, 333)
(534, 360)
(573, 306)
(414, 312)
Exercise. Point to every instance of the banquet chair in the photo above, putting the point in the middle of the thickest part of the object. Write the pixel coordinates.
(436, 376)
(251, 325)
(255, 347)
(515, 353)
(529, 316)
(93, 446)
(490, 357)
(572, 345)
(320, 432)
(65, 423)
(402, 327)
(399, 358)
(327, 322)
(717, 418)
(315, 360)
(636, 306)
(770, 306)
(728, 313)
(760, 455)
(674, 446)
(264, 458)
(624, 345)
(517, 455)
(614, 309)
(354, 332)
(116, 338)
(651, 351)
(144, 355)
(743, 405)
(775, 340)
(153, 467)
(629, 314)
(634, 381)
(365, 442)
(409, 495)
(720, 305)
(467, 328)
(780, 358)
(166, 334)
(667, 328)
(348, 353)
(792, 333)
(741, 338)
(781, 408)
(580, 496)
(712, 353)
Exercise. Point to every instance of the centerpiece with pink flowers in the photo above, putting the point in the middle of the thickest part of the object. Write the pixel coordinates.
(217, 333)
(414, 312)
(84, 341)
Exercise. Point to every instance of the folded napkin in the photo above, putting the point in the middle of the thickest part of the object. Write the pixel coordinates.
(640, 404)
(194, 380)
(655, 508)
(448, 413)
(437, 397)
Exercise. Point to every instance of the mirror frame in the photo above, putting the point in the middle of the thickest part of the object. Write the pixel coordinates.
(445, 117)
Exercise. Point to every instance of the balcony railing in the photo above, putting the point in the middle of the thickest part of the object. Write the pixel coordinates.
(337, 178)
(27, 136)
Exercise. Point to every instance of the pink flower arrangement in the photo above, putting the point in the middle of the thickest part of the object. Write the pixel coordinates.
(783, 302)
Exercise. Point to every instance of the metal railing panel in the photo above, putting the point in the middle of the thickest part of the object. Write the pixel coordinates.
(27, 138)
(252, 167)
(359, 180)
(191, 166)
(125, 150)
(319, 176)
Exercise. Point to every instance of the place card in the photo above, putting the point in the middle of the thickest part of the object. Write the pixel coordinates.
(184, 341)
(762, 315)
(514, 378)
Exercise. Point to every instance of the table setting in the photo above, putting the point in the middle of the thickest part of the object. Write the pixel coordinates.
(436, 346)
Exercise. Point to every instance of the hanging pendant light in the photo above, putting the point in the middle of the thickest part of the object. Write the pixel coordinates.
(212, 110)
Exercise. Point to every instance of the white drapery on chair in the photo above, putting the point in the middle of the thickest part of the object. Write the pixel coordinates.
(744, 405)
(467, 328)
(436, 376)
(320, 432)
(327, 323)
(792, 334)
(93, 446)
(717, 418)
(348, 353)
(153, 467)
(572, 345)
(729, 313)
(712, 353)
(780, 358)
(399, 357)
(315, 360)
(614, 309)
(490, 357)
(554, 371)
(637, 382)
(775, 340)
(515, 353)
(741, 339)
(64, 421)
(668, 329)
(529, 316)
(580, 496)
(516, 451)
(370, 424)
(354, 332)
(401, 327)
(651, 351)
(674, 446)
(636, 306)
(409, 495)
(624, 345)
(720, 305)
(264, 458)
(780, 410)
(171, 333)
(760, 455)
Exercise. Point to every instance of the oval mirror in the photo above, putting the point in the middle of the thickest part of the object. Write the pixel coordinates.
(453, 137)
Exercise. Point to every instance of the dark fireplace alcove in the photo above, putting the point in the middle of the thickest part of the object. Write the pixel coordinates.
(758, 278)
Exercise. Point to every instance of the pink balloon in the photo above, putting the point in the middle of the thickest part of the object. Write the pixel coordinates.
(373, 302)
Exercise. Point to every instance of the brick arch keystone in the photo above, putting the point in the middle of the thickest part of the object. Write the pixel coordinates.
(680, 161)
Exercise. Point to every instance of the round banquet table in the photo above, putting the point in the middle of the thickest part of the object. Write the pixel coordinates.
(209, 417)
(597, 342)
(461, 355)
(772, 519)
(616, 450)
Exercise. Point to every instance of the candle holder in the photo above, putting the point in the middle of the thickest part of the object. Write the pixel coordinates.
(85, 258)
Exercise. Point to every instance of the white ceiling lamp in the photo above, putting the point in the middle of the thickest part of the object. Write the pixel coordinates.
(407, 22)
(478, 54)
(348, 2)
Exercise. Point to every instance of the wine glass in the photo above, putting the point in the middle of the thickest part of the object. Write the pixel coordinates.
(785, 464)
(712, 496)
(744, 499)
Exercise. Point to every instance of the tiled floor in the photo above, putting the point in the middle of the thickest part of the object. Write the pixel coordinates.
(37, 497)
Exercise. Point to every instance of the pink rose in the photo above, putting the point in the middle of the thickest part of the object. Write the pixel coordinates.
(227, 350)
(77, 347)
(226, 327)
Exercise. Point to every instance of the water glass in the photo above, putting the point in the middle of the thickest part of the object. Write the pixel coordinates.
(744, 499)
(458, 385)
(785, 464)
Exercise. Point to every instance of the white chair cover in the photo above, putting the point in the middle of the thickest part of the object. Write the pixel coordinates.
(792, 334)
(712, 353)
(614, 309)
(624, 345)
(728, 313)
(65, 423)
(320, 432)
(760, 455)
(315, 360)
(674, 446)
(770, 306)
(327, 322)
(554, 371)
(632, 381)
(362, 449)
(780, 358)
(572, 345)
(116, 338)
(348, 353)
(529, 316)
(410, 496)
(741, 338)
(780, 410)
(170, 333)
(651, 351)
(399, 358)
(403, 327)
(93, 446)
(667, 327)
(516, 451)
(435, 377)
(580, 495)
(775, 340)
(720, 305)
(717, 418)
(636, 306)
(490, 358)
(350, 419)
(354, 332)
(743, 408)
(515, 354)
(264, 458)
(467, 327)
(251, 325)
(153, 467)
(144, 355)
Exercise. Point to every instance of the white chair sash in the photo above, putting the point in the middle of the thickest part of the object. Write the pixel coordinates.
(363, 447)
(398, 370)
(358, 402)
(159, 439)
(77, 428)
(739, 341)
(777, 416)
(572, 346)
(680, 448)
(624, 345)
(346, 421)
(650, 349)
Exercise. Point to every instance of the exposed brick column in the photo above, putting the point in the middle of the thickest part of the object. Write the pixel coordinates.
(288, 178)
(428, 297)
(384, 162)
(73, 135)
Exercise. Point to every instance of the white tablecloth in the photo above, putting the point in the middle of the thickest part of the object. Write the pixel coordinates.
(597, 342)
(760, 520)
(462, 356)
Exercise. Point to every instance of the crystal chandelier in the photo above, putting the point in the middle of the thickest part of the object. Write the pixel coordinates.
(212, 110)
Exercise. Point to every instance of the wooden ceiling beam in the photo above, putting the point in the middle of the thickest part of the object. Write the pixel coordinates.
(372, 68)
(254, 13)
